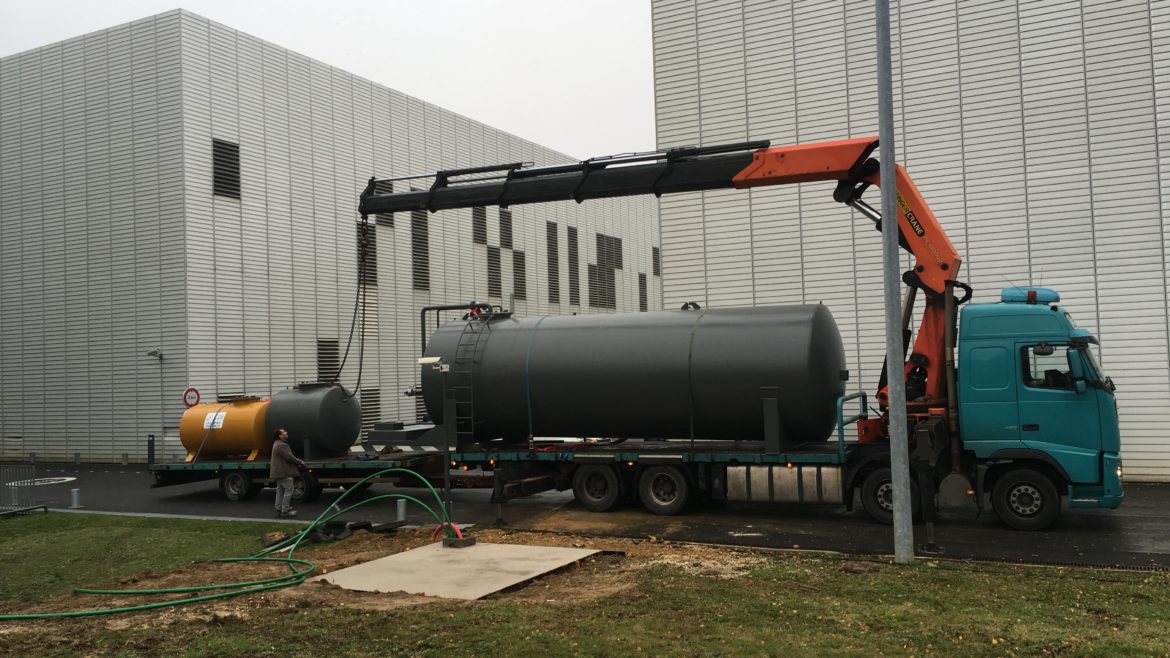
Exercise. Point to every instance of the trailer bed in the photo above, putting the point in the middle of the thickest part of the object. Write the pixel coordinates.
(348, 468)
(657, 452)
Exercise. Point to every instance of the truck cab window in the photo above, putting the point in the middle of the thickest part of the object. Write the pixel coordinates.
(1047, 366)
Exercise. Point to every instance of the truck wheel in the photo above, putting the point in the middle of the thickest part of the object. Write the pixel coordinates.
(663, 490)
(877, 496)
(306, 488)
(1025, 500)
(238, 485)
(596, 488)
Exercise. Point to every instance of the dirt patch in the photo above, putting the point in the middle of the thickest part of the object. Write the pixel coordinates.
(610, 573)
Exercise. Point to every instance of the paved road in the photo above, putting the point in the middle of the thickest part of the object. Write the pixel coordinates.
(1136, 535)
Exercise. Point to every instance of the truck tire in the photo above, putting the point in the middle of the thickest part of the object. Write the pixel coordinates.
(238, 485)
(306, 488)
(1025, 500)
(596, 487)
(877, 496)
(663, 490)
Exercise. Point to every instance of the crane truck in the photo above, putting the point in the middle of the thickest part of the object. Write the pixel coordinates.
(1024, 417)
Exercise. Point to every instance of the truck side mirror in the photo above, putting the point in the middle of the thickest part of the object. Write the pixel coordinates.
(1081, 386)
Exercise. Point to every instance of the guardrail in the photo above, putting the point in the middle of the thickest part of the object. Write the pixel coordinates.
(17, 483)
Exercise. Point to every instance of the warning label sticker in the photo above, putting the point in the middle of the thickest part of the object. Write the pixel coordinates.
(214, 421)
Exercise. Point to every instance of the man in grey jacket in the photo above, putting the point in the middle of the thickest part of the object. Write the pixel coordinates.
(282, 469)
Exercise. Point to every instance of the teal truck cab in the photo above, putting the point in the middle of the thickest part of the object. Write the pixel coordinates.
(1037, 416)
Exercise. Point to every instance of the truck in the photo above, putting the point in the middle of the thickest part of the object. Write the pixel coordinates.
(1022, 418)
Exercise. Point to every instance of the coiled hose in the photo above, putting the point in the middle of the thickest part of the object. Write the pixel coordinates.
(300, 569)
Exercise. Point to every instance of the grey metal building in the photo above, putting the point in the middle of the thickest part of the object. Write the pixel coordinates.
(1033, 128)
(177, 208)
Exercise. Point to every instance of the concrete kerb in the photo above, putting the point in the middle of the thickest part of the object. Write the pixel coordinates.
(191, 517)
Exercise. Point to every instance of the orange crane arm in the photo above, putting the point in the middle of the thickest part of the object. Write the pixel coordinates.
(848, 161)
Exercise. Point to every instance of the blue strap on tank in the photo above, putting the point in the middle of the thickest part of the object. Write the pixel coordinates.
(527, 388)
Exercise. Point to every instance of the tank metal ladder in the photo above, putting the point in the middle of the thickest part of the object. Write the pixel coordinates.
(463, 373)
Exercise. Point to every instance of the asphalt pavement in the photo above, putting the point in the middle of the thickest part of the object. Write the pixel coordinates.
(1135, 536)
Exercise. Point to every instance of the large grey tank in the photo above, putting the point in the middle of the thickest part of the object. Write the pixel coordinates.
(647, 375)
(321, 419)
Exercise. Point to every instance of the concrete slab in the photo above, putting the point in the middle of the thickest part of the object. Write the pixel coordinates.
(455, 573)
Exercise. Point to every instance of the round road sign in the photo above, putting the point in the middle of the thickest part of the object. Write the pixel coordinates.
(191, 396)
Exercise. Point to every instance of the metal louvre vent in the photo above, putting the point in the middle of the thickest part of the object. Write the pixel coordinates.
(384, 187)
(656, 261)
(479, 225)
(371, 399)
(574, 268)
(643, 304)
(328, 359)
(602, 276)
(495, 286)
(225, 168)
(609, 252)
(505, 228)
(519, 275)
(554, 264)
(420, 249)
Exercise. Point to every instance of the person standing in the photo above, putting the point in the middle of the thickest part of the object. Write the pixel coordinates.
(282, 469)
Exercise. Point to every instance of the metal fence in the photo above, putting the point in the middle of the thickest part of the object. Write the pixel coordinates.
(17, 487)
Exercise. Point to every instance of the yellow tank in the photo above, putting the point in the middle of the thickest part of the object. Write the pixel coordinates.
(226, 428)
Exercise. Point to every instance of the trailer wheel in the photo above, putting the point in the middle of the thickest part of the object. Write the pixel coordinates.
(596, 487)
(306, 488)
(663, 490)
(238, 485)
(877, 496)
(1025, 500)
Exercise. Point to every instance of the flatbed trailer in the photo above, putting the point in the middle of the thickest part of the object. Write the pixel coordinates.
(241, 479)
(667, 474)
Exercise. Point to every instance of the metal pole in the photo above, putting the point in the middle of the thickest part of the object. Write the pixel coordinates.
(448, 430)
(895, 356)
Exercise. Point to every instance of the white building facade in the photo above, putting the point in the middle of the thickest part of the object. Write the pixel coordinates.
(1033, 128)
(178, 208)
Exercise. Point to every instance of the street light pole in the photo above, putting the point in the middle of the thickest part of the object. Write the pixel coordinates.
(895, 356)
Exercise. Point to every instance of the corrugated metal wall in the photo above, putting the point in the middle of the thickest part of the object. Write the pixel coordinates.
(1033, 129)
(91, 243)
(235, 292)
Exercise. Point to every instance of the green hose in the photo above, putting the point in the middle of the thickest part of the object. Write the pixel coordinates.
(296, 577)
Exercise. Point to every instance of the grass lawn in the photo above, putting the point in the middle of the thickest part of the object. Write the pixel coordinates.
(43, 555)
(673, 600)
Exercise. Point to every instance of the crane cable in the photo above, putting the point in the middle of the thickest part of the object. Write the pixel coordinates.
(300, 569)
(358, 302)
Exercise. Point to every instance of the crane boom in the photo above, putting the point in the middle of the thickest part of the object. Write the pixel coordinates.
(742, 165)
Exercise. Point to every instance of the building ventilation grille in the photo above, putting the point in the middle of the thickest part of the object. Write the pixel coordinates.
(371, 399)
(328, 359)
(225, 168)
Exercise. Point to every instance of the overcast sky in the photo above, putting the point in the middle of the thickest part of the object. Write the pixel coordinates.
(573, 75)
